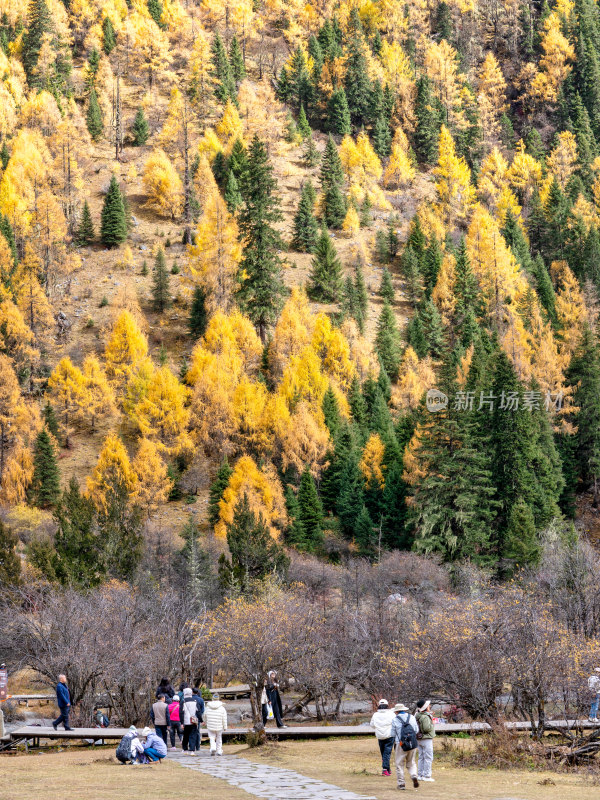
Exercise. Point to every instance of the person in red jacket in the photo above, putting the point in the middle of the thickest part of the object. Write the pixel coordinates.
(174, 721)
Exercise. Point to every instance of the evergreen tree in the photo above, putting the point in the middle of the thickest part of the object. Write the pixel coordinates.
(428, 123)
(465, 286)
(350, 501)
(584, 375)
(431, 265)
(10, 562)
(365, 212)
(396, 533)
(415, 336)
(338, 113)
(254, 552)
(39, 23)
(93, 63)
(382, 247)
(85, 232)
(387, 341)
(232, 195)
(545, 290)
(432, 327)
(522, 545)
(196, 565)
(310, 511)
(50, 420)
(356, 81)
(225, 84)
(45, 485)
(4, 155)
(382, 137)
(326, 272)
(113, 225)
(155, 9)
(78, 559)
(93, 117)
(220, 169)
(261, 287)
(238, 160)
(365, 535)
(236, 60)
(331, 411)
(443, 22)
(141, 129)
(161, 295)
(120, 532)
(412, 274)
(303, 126)
(361, 298)
(311, 155)
(109, 38)
(306, 228)
(217, 488)
(332, 178)
(295, 535)
(386, 287)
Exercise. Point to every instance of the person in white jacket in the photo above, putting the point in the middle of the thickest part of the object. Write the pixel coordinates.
(381, 721)
(216, 722)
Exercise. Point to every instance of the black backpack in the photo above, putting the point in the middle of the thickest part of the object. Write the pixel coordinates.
(408, 737)
(123, 751)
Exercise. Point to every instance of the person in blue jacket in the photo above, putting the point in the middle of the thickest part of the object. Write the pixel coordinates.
(63, 699)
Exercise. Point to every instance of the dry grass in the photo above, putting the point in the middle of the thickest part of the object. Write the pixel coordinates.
(351, 764)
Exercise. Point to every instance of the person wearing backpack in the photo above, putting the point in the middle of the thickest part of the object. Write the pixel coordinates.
(197, 734)
(174, 722)
(404, 731)
(129, 749)
(382, 722)
(594, 687)
(425, 739)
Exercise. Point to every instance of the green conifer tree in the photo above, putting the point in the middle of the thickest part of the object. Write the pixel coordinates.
(217, 488)
(109, 38)
(310, 155)
(387, 341)
(225, 83)
(303, 127)
(50, 420)
(295, 535)
(155, 9)
(356, 81)
(238, 160)
(386, 287)
(232, 195)
(113, 224)
(326, 271)
(431, 265)
(141, 129)
(311, 511)
(382, 137)
(332, 178)
(93, 117)
(39, 23)
(10, 562)
(428, 123)
(361, 297)
(331, 411)
(365, 534)
(261, 288)
(306, 228)
(161, 296)
(79, 559)
(338, 113)
(4, 155)
(236, 59)
(45, 485)
(85, 232)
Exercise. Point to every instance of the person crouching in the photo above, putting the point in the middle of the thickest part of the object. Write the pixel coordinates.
(155, 748)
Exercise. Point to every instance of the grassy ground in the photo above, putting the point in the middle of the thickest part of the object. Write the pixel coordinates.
(350, 764)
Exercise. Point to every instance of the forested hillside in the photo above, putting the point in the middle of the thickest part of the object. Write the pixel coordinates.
(240, 242)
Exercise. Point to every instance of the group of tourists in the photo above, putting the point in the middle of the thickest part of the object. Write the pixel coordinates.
(410, 735)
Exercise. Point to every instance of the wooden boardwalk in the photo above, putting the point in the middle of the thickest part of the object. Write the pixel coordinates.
(34, 733)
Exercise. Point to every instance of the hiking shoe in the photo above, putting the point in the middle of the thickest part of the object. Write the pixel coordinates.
(55, 726)
(415, 783)
(385, 772)
(429, 780)
(401, 786)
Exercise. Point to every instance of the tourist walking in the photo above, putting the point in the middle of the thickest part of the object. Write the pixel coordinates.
(404, 731)
(174, 723)
(216, 723)
(165, 688)
(187, 716)
(159, 713)
(425, 739)
(275, 698)
(594, 687)
(197, 696)
(63, 700)
(155, 748)
(381, 721)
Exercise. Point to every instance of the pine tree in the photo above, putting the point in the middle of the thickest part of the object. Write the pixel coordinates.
(350, 501)
(232, 195)
(338, 113)
(522, 545)
(382, 137)
(109, 39)
(92, 65)
(10, 562)
(220, 169)
(361, 298)
(432, 327)
(311, 155)
(295, 535)
(310, 512)
(155, 9)
(141, 129)
(331, 411)
(261, 287)
(387, 341)
(113, 225)
(50, 420)
(93, 117)
(365, 212)
(465, 285)
(39, 23)
(428, 126)
(45, 485)
(236, 59)
(306, 228)
(161, 295)
(365, 534)
(545, 290)
(225, 83)
(85, 232)
(79, 559)
(254, 552)
(217, 488)
(332, 178)
(197, 568)
(326, 272)
(198, 313)
(238, 160)
(303, 127)
(4, 155)
(386, 287)
(431, 265)
(356, 81)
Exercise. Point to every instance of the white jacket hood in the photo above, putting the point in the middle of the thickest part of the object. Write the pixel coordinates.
(382, 722)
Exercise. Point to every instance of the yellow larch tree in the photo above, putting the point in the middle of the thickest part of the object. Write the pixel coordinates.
(11, 406)
(169, 134)
(260, 111)
(453, 182)
(351, 223)
(32, 300)
(525, 172)
(163, 185)
(233, 335)
(112, 471)
(364, 359)
(16, 337)
(492, 179)
(571, 311)
(253, 429)
(215, 377)
(204, 181)
(202, 80)
(398, 73)
(554, 64)
(137, 385)
(152, 485)
(441, 67)
(214, 257)
(230, 127)
(17, 475)
(443, 294)
(162, 415)
(562, 161)
(126, 348)
(516, 344)
(26, 175)
(371, 463)
(292, 333)
(491, 97)
(150, 49)
(302, 437)
(362, 167)
(303, 380)
(68, 390)
(400, 171)
(332, 347)
(99, 397)
(263, 490)
(414, 379)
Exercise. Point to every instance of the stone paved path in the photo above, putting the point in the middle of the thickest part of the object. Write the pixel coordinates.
(263, 780)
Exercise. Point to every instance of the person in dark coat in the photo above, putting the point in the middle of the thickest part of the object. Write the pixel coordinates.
(165, 688)
(63, 699)
(275, 698)
(197, 735)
